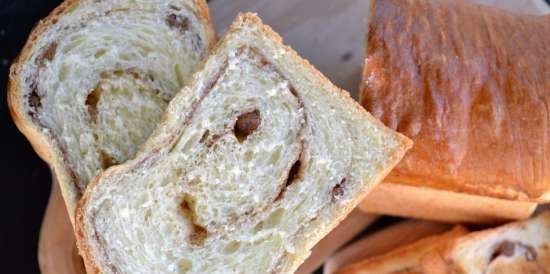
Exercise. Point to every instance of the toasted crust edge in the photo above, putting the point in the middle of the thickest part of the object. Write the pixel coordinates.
(442, 261)
(44, 146)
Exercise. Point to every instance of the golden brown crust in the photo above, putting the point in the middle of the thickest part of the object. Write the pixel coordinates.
(46, 147)
(441, 205)
(404, 254)
(81, 236)
(433, 262)
(203, 13)
(532, 258)
(383, 241)
(470, 86)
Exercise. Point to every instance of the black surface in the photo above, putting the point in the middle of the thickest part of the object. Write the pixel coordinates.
(24, 177)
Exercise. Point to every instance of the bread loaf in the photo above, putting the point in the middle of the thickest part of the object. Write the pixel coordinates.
(471, 86)
(254, 162)
(94, 77)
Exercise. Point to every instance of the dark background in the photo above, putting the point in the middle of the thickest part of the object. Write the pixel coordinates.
(24, 177)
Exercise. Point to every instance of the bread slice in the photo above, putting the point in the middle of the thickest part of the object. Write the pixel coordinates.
(521, 247)
(254, 162)
(94, 77)
(383, 241)
(404, 259)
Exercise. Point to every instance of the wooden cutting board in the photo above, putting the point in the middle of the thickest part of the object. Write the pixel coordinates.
(57, 253)
(330, 34)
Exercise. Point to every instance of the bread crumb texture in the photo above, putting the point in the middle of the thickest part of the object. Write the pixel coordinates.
(257, 160)
(99, 76)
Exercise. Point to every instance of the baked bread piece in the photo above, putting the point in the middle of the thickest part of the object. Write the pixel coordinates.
(522, 247)
(254, 162)
(404, 259)
(383, 241)
(470, 85)
(94, 78)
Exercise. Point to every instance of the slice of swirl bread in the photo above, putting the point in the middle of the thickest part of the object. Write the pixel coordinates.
(521, 247)
(253, 163)
(95, 77)
(404, 259)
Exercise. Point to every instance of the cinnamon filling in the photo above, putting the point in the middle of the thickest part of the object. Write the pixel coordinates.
(102, 243)
(91, 101)
(246, 124)
(198, 233)
(214, 139)
(47, 55)
(338, 190)
(34, 99)
(294, 174)
(509, 249)
(106, 160)
(178, 22)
